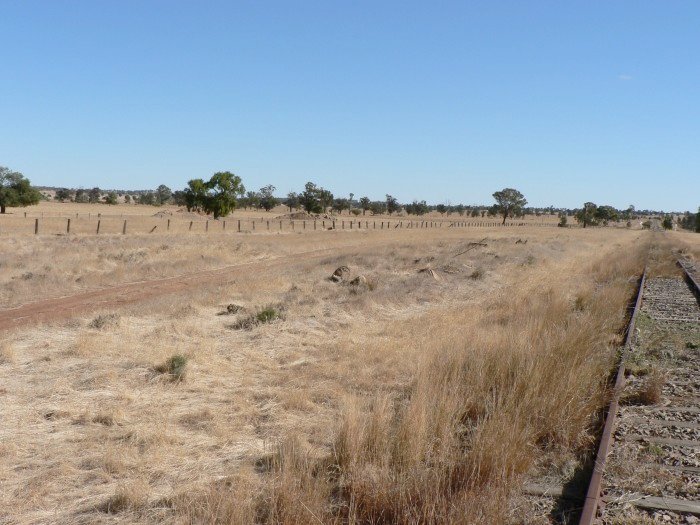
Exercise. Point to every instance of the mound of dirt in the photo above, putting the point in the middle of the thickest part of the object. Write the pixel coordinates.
(296, 216)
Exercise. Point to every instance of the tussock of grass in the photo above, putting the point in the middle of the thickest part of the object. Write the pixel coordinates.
(104, 320)
(176, 366)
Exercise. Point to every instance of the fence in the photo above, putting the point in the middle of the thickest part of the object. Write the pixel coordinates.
(144, 224)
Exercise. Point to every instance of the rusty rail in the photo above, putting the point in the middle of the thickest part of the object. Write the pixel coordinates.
(689, 277)
(592, 501)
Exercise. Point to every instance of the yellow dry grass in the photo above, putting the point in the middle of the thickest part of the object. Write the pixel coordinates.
(411, 398)
(53, 219)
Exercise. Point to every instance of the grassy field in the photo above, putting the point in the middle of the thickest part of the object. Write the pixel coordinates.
(53, 220)
(422, 393)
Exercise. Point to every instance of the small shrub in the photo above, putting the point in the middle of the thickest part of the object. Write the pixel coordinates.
(651, 390)
(356, 211)
(176, 366)
(654, 449)
(266, 315)
(104, 320)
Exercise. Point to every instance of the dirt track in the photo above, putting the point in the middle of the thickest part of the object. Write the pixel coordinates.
(134, 292)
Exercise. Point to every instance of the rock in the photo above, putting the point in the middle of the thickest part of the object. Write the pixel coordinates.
(430, 272)
(359, 280)
(233, 308)
(339, 273)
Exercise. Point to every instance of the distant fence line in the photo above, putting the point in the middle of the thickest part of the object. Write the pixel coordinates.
(144, 224)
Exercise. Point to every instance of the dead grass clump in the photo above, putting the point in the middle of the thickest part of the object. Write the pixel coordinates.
(651, 389)
(104, 321)
(175, 366)
(128, 497)
(233, 500)
(7, 354)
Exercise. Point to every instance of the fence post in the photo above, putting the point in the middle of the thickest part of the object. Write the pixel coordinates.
(36, 224)
(314, 224)
(169, 224)
(98, 226)
(280, 225)
(190, 226)
(253, 224)
(25, 214)
(304, 224)
(239, 225)
(206, 226)
(223, 228)
(68, 226)
(124, 228)
(268, 225)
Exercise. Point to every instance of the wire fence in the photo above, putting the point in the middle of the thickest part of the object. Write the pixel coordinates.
(135, 224)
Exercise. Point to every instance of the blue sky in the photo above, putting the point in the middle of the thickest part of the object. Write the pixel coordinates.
(444, 101)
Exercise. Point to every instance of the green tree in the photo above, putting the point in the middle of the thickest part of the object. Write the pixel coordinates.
(325, 197)
(606, 214)
(163, 194)
(147, 198)
(63, 194)
(81, 196)
(111, 198)
(267, 199)
(16, 190)
(179, 198)
(378, 207)
(667, 222)
(365, 204)
(310, 198)
(587, 215)
(292, 201)
(509, 202)
(94, 195)
(251, 200)
(392, 205)
(441, 209)
(127, 198)
(341, 204)
(697, 221)
(219, 196)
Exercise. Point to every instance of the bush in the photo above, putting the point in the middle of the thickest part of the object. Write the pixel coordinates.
(356, 211)
(176, 366)
(266, 315)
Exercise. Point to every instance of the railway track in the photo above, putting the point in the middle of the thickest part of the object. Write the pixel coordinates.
(647, 469)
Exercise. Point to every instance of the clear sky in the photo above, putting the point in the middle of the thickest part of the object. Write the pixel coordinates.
(568, 101)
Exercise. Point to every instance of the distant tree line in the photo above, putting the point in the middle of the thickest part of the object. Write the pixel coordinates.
(224, 192)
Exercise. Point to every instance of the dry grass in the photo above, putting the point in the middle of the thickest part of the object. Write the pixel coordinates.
(417, 400)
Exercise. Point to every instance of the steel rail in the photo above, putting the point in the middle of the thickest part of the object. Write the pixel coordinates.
(592, 500)
(689, 276)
